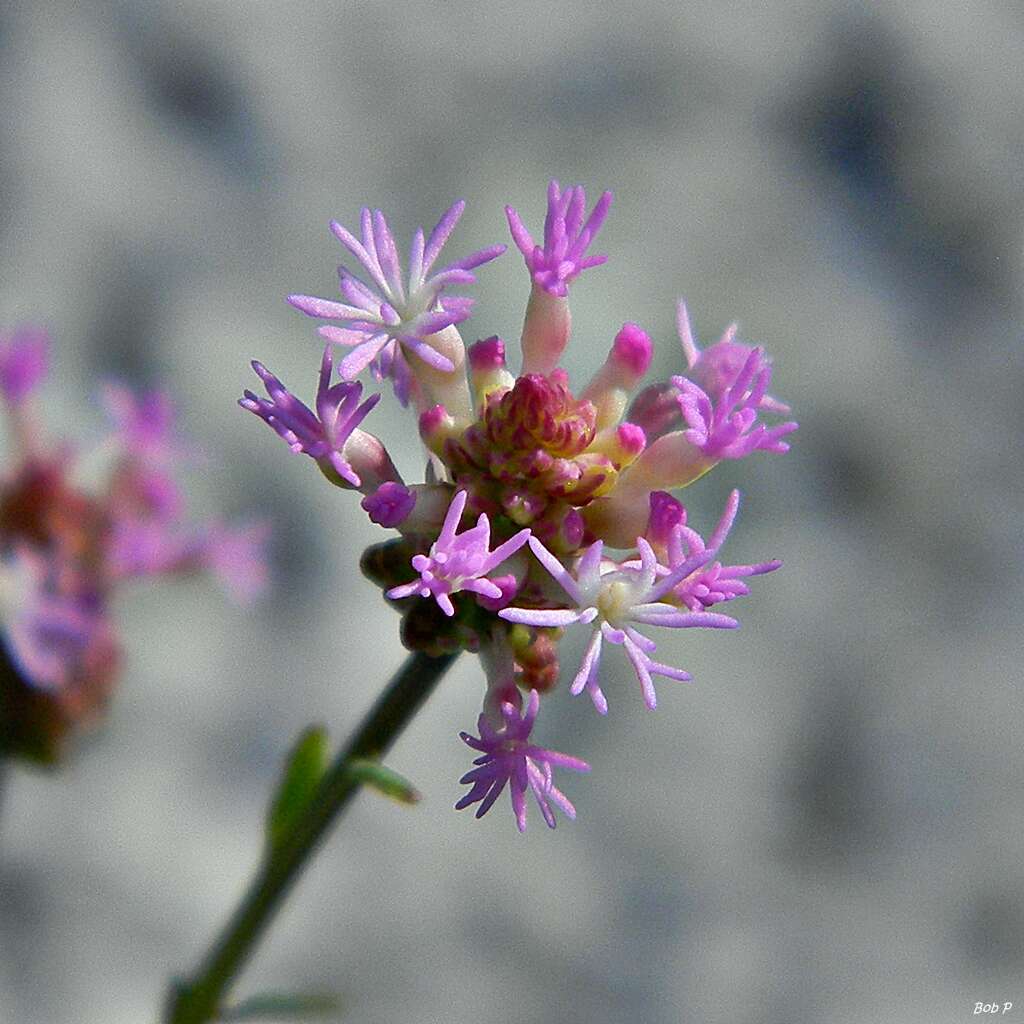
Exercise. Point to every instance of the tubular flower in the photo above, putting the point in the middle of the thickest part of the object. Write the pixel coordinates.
(395, 318)
(321, 435)
(507, 756)
(66, 553)
(554, 473)
(460, 561)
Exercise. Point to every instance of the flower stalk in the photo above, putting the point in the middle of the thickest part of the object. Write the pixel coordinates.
(199, 998)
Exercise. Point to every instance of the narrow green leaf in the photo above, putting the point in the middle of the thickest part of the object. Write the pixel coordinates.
(383, 779)
(304, 768)
(275, 1006)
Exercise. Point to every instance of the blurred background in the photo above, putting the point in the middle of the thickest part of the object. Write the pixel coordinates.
(827, 823)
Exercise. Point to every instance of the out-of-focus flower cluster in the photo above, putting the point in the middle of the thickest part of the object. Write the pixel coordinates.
(530, 483)
(69, 545)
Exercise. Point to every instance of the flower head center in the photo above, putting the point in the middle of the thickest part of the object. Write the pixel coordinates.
(541, 413)
(615, 601)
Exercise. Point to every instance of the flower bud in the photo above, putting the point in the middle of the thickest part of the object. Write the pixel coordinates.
(487, 369)
(627, 362)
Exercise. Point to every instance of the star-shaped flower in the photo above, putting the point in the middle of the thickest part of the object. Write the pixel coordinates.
(460, 561)
(618, 598)
(395, 316)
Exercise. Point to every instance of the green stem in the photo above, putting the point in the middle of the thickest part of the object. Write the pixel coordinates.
(198, 999)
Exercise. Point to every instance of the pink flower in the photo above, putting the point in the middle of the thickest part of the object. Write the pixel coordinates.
(717, 367)
(725, 426)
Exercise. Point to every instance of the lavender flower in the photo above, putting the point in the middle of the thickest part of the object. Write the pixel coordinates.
(507, 756)
(718, 366)
(566, 238)
(49, 634)
(390, 504)
(711, 583)
(727, 427)
(320, 435)
(24, 361)
(460, 561)
(143, 423)
(393, 319)
(616, 597)
(577, 470)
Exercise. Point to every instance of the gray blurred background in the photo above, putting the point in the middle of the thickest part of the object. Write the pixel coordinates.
(827, 824)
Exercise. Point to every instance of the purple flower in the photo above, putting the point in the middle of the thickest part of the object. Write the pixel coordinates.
(566, 238)
(507, 756)
(460, 561)
(49, 634)
(391, 318)
(617, 598)
(24, 361)
(726, 427)
(390, 504)
(717, 367)
(141, 547)
(320, 435)
(712, 582)
(143, 422)
(236, 555)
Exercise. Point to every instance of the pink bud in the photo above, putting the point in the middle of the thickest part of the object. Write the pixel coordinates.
(632, 351)
(488, 354)
(666, 514)
(632, 439)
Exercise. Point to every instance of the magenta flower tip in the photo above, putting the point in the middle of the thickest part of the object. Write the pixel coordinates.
(666, 514)
(488, 354)
(634, 349)
(632, 438)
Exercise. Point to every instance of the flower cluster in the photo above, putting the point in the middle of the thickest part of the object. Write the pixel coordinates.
(569, 486)
(66, 550)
